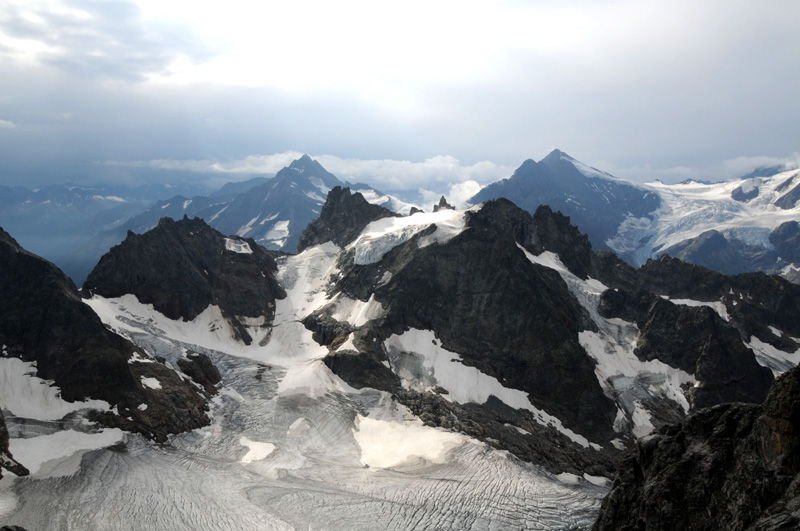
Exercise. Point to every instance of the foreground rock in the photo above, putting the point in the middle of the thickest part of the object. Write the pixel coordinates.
(734, 466)
(43, 320)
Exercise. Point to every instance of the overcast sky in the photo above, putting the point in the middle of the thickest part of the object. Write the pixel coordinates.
(402, 95)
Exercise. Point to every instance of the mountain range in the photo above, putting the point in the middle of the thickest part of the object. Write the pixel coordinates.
(748, 224)
(478, 368)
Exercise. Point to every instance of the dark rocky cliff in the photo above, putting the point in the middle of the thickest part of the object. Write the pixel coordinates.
(7, 461)
(734, 467)
(519, 322)
(182, 267)
(342, 218)
(43, 320)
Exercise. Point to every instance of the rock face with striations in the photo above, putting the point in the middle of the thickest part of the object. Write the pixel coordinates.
(183, 267)
(7, 461)
(43, 320)
(734, 466)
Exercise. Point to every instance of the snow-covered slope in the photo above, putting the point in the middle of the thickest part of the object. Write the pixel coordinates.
(691, 209)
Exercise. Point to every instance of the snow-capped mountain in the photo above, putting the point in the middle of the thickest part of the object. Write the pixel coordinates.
(595, 201)
(271, 211)
(750, 224)
(477, 368)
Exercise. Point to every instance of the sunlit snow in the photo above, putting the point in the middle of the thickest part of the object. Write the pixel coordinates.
(439, 367)
(383, 235)
(23, 394)
(691, 208)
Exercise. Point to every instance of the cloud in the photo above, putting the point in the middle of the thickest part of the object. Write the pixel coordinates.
(438, 173)
(403, 175)
(98, 39)
(251, 165)
(740, 166)
(714, 172)
(5, 124)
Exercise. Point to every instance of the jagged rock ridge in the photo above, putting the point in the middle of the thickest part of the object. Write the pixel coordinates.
(343, 216)
(43, 320)
(518, 322)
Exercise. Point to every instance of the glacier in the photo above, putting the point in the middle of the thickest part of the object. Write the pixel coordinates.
(290, 445)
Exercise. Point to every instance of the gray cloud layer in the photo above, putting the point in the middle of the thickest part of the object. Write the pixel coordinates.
(673, 92)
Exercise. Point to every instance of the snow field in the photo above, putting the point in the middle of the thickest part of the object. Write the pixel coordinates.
(238, 246)
(689, 209)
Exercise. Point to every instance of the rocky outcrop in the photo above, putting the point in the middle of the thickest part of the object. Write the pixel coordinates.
(513, 320)
(786, 239)
(728, 256)
(704, 345)
(734, 466)
(341, 220)
(183, 267)
(754, 301)
(200, 369)
(7, 461)
(790, 199)
(443, 205)
(43, 320)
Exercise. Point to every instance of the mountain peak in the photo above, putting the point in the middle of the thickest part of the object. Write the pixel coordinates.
(342, 218)
(443, 205)
(303, 163)
(556, 156)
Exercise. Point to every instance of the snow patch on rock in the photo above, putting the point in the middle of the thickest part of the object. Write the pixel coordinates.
(383, 235)
(238, 246)
(436, 366)
(25, 395)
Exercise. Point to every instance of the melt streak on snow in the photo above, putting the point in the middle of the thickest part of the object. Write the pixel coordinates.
(288, 444)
